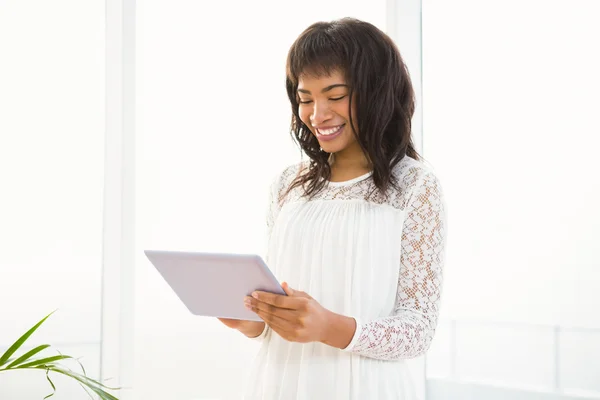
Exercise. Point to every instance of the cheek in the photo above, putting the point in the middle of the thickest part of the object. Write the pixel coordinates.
(304, 113)
(342, 109)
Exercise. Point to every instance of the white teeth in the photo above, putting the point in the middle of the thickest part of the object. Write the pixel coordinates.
(330, 131)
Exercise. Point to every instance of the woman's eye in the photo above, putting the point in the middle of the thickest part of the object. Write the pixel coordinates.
(300, 101)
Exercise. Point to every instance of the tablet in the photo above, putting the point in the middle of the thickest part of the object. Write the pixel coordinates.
(215, 284)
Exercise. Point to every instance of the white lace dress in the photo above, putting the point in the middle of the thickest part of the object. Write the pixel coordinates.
(377, 259)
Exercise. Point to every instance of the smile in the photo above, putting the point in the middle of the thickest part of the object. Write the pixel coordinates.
(329, 133)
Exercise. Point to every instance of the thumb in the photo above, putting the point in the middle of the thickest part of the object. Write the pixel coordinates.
(291, 292)
(287, 289)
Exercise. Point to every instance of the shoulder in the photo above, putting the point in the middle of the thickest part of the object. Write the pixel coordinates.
(416, 178)
(285, 176)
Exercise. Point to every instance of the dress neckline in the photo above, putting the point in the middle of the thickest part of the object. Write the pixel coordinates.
(350, 181)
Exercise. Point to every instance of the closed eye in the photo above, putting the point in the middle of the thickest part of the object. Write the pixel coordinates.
(331, 98)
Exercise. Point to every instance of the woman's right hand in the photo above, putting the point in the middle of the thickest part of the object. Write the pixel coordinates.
(251, 329)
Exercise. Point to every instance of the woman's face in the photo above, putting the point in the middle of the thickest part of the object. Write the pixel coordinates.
(324, 106)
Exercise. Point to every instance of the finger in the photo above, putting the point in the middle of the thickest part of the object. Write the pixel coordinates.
(277, 300)
(292, 292)
(273, 320)
(280, 331)
(283, 313)
(287, 289)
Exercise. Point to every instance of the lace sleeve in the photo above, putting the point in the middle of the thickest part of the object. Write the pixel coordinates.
(273, 208)
(276, 190)
(409, 331)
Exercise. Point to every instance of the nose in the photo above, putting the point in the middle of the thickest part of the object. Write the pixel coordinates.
(320, 113)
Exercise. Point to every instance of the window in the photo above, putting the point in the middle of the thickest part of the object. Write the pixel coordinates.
(51, 169)
(510, 104)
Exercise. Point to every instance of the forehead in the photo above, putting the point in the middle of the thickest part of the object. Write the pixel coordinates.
(324, 79)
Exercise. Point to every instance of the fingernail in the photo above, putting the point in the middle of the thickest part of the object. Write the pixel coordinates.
(255, 295)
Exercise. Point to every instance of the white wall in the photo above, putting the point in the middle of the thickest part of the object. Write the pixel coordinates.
(510, 123)
(213, 130)
(511, 85)
(51, 176)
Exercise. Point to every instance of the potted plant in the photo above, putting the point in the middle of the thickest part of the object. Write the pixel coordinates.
(32, 360)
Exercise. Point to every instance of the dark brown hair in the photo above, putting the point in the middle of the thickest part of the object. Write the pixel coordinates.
(380, 82)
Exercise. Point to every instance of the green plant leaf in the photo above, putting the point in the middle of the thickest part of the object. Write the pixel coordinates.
(51, 384)
(73, 374)
(85, 389)
(42, 361)
(50, 364)
(78, 362)
(27, 355)
(21, 340)
(93, 385)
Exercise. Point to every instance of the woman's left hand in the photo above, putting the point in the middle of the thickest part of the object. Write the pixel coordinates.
(296, 317)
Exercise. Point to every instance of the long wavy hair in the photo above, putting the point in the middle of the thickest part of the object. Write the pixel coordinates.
(380, 85)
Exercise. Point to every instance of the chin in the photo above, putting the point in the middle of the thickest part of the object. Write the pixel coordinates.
(331, 148)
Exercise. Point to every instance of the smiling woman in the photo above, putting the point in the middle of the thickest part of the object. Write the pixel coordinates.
(324, 107)
(352, 102)
(212, 120)
(357, 233)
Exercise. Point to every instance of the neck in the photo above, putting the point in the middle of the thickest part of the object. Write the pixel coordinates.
(349, 161)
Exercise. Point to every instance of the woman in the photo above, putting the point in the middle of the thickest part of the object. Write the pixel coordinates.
(357, 232)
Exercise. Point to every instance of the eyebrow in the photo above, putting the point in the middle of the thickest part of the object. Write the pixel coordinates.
(328, 88)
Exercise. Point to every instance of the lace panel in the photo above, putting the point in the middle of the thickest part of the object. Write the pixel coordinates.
(409, 331)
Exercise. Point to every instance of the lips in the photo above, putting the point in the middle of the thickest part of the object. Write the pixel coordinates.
(329, 132)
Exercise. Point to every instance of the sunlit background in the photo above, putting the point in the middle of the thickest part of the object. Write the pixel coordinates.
(159, 125)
